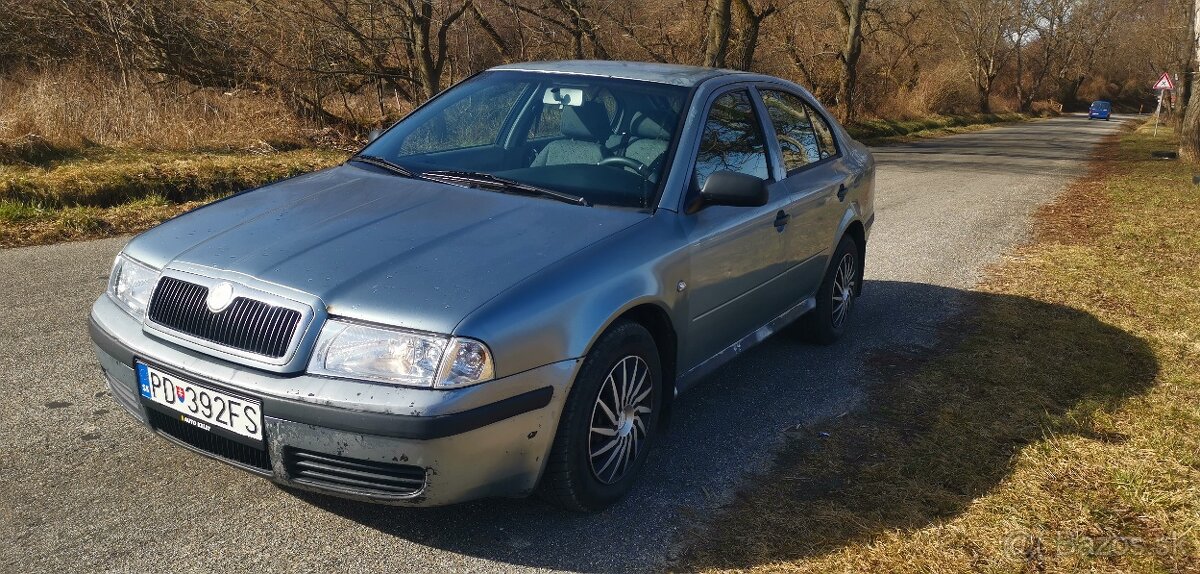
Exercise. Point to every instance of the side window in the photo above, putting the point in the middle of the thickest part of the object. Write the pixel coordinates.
(474, 120)
(547, 124)
(793, 129)
(824, 133)
(732, 139)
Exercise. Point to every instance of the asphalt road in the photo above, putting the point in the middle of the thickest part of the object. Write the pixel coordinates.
(83, 488)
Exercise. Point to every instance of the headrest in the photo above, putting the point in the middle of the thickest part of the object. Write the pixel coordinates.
(588, 121)
(644, 127)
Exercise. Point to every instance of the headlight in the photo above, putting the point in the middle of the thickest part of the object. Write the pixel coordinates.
(367, 352)
(467, 362)
(132, 284)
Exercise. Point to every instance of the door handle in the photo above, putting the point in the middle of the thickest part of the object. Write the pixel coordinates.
(781, 219)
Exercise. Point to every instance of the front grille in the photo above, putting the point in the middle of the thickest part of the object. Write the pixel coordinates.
(246, 324)
(211, 443)
(340, 473)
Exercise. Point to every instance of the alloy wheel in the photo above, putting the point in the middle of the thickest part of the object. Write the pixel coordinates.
(618, 429)
(843, 289)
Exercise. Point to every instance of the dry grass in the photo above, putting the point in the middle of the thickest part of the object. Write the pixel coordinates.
(84, 155)
(74, 107)
(1060, 433)
(107, 178)
(103, 192)
(77, 223)
(880, 131)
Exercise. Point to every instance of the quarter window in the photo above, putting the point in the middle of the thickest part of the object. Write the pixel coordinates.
(793, 128)
(824, 133)
(732, 139)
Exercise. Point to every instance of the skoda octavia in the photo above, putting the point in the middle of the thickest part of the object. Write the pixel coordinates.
(500, 294)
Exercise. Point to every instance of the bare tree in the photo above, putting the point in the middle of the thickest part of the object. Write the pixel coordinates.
(851, 12)
(572, 17)
(981, 30)
(350, 63)
(1189, 136)
(716, 39)
(404, 42)
(749, 31)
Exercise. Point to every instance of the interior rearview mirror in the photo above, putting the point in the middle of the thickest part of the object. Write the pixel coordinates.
(734, 189)
(563, 96)
(374, 135)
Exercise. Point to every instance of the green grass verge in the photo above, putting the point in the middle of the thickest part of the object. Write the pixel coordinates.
(876, 132)
(1058, 432)
(101, 192)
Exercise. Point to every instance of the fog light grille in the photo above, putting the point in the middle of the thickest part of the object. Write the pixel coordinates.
(354, 475)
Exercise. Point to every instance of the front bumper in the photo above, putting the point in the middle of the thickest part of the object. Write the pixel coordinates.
(486, 440)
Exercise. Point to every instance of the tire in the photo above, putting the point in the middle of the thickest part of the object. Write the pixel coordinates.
(572, 480)
(827, 322)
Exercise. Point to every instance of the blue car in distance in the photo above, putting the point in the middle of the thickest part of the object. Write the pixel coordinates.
(1100, 110)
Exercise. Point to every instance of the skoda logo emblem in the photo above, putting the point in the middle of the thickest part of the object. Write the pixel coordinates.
(219, 297)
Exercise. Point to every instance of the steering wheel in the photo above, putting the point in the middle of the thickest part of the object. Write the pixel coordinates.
(621, 161)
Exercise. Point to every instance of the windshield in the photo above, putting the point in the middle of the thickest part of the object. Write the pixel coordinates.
(602, 139)
(1100, 105)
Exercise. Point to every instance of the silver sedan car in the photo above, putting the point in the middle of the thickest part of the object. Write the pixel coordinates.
(499, 295)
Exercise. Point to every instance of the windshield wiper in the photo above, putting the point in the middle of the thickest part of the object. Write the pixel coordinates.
(489, 181)
(385, 164)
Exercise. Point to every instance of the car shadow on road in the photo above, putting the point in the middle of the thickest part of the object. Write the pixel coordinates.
(1046, 361)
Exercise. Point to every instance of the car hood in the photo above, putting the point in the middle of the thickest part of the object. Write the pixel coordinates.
(379, 247)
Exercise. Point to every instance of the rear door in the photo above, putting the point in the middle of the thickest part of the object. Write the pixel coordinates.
(814, 183)
(736, 252)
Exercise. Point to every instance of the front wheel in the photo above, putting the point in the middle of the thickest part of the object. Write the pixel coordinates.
(608, 423)
(835, 297)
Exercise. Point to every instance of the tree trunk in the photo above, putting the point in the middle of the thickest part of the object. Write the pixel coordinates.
(851, 12)
(1189, 135)
(748, 37)
(716, 41)
(1022, 105)
(428, 76)
(984, 91)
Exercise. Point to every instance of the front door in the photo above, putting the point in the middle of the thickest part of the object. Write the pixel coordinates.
(737, 252)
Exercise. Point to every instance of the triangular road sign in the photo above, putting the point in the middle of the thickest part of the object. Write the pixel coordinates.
(1165, 83)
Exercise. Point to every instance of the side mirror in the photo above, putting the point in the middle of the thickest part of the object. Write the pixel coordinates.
(734, 189)
(374, 135)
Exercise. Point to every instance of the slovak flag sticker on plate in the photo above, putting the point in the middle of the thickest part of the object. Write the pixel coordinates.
(143, 380)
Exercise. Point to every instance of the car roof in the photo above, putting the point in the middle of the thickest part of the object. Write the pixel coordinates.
(674, 74)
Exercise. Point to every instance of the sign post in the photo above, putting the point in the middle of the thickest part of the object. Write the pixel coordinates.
(1164, 84)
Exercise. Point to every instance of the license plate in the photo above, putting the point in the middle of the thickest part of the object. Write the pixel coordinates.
(201, 406)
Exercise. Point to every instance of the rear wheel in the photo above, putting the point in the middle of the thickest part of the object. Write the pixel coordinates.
(835, 297)
(608, 423)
